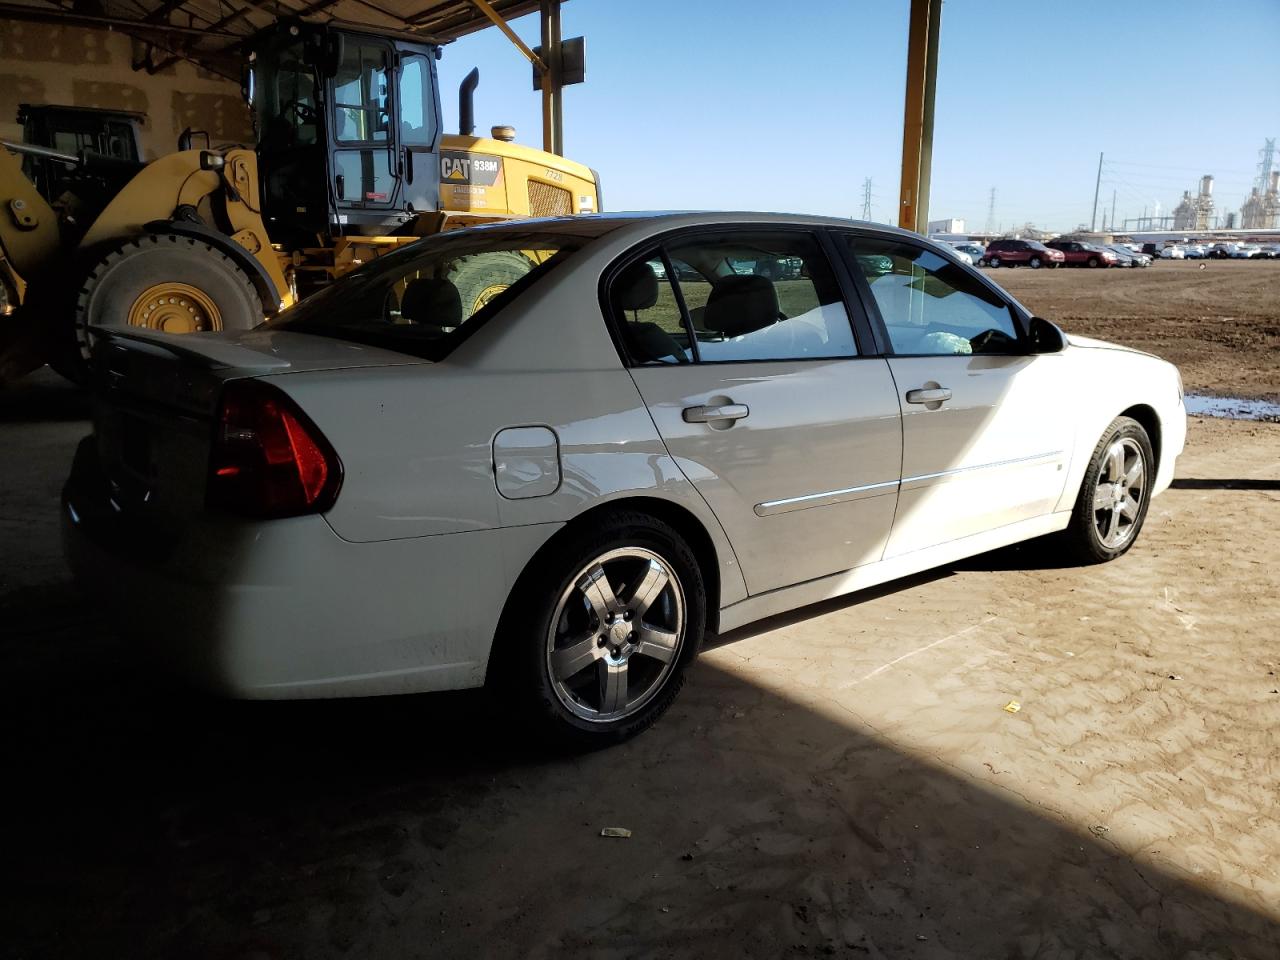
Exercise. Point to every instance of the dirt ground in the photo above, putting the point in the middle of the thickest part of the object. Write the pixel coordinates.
(843, 781)
(1218, 320)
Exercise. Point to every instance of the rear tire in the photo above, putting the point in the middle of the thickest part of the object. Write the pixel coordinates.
(161, 282)
(1114, 495)
(478, 283)
(557, 652)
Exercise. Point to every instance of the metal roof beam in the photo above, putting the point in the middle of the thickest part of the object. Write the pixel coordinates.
(62, 16)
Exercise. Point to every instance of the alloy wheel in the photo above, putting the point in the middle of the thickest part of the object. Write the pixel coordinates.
(616, 634)
(1118, 494)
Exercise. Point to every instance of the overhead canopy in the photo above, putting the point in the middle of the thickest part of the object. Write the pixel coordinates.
(210, 31)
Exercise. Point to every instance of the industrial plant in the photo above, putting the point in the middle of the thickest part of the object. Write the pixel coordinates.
(1260, 210)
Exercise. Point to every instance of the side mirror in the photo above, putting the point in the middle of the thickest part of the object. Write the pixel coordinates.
(1045, 337)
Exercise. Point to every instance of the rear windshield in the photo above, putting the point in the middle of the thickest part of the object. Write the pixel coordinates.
(428, 297)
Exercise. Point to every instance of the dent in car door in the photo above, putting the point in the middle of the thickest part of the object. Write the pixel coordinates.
(986, 429)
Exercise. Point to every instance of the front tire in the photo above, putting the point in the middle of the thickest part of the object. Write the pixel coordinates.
(1036, 263)
(162, 282)
(995, 263)
(1094, 261)
(1114, 496)
(595, 641)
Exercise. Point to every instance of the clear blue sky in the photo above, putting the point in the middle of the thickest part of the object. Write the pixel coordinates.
(767, 105)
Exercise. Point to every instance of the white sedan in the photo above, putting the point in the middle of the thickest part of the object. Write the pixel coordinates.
(558, 484)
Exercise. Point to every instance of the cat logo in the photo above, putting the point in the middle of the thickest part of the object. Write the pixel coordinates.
(469, 168)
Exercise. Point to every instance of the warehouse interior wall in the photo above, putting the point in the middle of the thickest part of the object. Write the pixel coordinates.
(73, 66)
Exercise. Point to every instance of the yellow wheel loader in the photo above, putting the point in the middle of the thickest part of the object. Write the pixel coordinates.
(349, 163)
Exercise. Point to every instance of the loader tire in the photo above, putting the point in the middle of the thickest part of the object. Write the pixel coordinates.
(161, 282)
(478, 283)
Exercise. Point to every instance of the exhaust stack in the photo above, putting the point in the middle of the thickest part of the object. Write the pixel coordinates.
(466, 102)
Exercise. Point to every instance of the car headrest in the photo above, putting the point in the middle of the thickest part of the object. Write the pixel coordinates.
(432, 300)
(636, 287)
(740, 304)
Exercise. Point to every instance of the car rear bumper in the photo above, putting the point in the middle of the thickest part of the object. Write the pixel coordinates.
(287, 608)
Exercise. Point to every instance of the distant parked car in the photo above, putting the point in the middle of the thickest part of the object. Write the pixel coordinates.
(1014, 253)
(1173, 252)
(976, 251)
(1195, 251)
(1247, 251)
(964, 257)
(1270, 251)
(1127, 258)
(1222, 251)
(1080, 254)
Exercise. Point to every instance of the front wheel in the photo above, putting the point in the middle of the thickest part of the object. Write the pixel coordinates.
(1036, 263)
(995, 263)
(162, 282)
(595, 642)
(1094, 261)
(1113, 499)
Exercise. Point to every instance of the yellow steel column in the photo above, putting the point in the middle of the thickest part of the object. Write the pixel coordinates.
(917, 120)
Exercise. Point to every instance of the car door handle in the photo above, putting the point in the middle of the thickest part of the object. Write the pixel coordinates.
(723, 411)
(928, 395)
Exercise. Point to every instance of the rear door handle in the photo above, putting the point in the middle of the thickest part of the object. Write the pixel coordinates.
(928, 395)
(723, 411)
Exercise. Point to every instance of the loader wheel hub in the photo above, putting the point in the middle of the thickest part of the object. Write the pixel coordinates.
(175, 308)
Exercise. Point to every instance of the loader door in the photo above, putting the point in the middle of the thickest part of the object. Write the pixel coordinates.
(365, 168)
(291, 142)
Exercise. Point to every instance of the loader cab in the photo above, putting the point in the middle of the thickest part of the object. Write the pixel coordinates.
(111, 135)
(348, 127)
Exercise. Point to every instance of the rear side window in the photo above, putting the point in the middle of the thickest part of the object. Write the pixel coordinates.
(733, 297)
(931, 306)
(426, 298)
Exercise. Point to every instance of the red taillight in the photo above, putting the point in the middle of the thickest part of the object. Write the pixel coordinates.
(268, 459)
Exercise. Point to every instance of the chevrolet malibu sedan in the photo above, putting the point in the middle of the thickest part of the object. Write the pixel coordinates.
(625, 434)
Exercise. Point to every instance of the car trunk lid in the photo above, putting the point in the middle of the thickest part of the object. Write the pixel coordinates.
(156, 402)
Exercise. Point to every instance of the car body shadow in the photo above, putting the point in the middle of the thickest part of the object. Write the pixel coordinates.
(148, 821)
(44, 397)
(1196, 483)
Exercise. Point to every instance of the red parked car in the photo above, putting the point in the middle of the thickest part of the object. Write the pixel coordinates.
(1016, 253)
(1081, 254)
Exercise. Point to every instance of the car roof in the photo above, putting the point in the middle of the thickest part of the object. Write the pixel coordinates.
(595, 225)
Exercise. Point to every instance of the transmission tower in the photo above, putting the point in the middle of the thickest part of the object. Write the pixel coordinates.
(991, 212)
(866, 199)
(1266, 163)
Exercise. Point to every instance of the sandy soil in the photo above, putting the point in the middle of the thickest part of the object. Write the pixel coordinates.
(1218, 320)
(842, 781)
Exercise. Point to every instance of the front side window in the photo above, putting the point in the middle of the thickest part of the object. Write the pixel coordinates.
(360, 94)
(425, 298)
(931, 306)
(737, 296)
